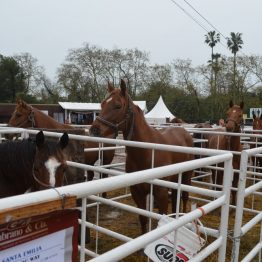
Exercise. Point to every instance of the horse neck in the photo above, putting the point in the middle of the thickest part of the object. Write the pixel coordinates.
(233, 143)
(141, 129)
(44, 121)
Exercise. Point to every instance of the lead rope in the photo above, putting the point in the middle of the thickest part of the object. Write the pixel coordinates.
(31, 117)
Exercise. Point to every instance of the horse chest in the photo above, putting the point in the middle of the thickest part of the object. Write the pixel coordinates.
(145, 160)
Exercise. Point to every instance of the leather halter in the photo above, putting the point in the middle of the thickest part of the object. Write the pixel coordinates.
(238, 126)
(30, 118)
(43, 184)
(129, 114)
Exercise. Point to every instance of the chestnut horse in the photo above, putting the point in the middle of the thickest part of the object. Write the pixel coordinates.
(119, 113)
(257, 125)
(234, 122)
(27, 116)
(29, 165)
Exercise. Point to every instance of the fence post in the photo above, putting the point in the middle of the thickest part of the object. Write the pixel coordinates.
(227, 182)
(239, 206)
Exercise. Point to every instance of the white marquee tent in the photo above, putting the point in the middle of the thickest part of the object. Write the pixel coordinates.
(159, 113)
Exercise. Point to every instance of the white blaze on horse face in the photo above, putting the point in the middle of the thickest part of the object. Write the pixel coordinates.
(51, 165)
(108, 100)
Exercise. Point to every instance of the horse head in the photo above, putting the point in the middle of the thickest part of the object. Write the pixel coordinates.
(234, 119)
(116, 113)
(23, 116)
(257, 122)
(50, 161)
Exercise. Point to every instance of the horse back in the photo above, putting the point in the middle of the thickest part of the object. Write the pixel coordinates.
(177, 136)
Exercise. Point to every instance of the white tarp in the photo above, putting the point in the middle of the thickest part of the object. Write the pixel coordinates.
(159, 113)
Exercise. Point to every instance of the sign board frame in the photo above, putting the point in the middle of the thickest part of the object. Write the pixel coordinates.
(46, 231)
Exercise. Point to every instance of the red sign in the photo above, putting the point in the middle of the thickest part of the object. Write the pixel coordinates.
(55, 232)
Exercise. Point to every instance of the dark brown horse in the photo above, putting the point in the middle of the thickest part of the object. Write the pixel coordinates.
(119, 113)
(202, 136)
(234, 122)
(29, 165)
(27, 116)
(177, 121)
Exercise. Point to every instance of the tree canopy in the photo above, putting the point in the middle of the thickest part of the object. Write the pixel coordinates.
(193, 93)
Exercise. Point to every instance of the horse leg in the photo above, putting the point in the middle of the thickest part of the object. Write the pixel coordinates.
(161, 197)
(90, 175)
(185, 196)
(174, 199)
(140, 199)
(186, 180)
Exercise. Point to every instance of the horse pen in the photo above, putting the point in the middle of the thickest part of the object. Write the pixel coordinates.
(233, 233)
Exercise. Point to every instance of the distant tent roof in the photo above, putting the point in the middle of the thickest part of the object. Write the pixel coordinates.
(159, 113)
(75, 106)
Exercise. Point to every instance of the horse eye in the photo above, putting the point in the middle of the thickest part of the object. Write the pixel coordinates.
(117, 106)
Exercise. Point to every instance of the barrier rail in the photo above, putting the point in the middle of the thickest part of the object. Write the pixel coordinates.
(87, 190)
(240, 228)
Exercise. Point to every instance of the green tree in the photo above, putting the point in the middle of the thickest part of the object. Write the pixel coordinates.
(234, 43)
(12, 80)
(211, 39)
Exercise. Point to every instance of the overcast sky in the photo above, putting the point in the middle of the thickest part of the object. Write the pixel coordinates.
(47, 29)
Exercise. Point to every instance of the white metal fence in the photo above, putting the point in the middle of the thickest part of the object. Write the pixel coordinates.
(215, 200)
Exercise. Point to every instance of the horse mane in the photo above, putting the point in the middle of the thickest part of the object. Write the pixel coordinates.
(19, 155)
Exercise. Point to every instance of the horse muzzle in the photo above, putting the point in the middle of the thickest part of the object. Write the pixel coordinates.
(95, 131)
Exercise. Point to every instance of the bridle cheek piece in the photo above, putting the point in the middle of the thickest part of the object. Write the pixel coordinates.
(115, 127)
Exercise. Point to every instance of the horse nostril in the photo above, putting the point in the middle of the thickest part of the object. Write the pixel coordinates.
(94, 131)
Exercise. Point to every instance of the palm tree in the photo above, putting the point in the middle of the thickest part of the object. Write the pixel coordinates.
(212, 38)
(234, 43)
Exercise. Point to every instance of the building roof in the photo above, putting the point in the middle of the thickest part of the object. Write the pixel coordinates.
(160, 111)
(75, 106)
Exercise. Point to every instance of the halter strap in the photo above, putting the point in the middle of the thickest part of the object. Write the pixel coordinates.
(115, 127)
(240, 125)
(30, 118)
(44, 184)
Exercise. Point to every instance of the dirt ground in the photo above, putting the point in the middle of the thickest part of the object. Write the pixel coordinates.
(127, 223)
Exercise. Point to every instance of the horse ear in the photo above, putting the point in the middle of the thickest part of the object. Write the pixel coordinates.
(123, 87)
(64, 140)
(231, 103)
(254, 115)
(110, 88)
(18, 101)
(23, 103)
(40, 139)
(241, 105)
